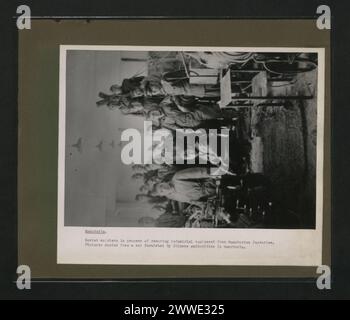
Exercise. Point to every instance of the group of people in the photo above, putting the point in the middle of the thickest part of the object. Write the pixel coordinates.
(171, 190)
(171, 105)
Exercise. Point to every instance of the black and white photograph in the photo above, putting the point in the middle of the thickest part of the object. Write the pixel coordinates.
(191, 139)
(176, 152)
(193, 155)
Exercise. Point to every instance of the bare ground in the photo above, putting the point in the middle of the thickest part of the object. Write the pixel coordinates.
(284, 149)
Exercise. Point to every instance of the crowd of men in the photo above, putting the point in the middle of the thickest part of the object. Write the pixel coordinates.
(172, 103)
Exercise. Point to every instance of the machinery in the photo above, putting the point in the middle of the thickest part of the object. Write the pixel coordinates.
(241, 204)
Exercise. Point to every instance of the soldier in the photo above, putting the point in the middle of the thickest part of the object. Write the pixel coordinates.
(169, 115)
(192, 185)
(158, 86)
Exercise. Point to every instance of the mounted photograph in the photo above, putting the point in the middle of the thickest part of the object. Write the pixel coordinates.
(168, 147)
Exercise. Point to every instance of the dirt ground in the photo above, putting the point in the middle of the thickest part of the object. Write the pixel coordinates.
(283, 147)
